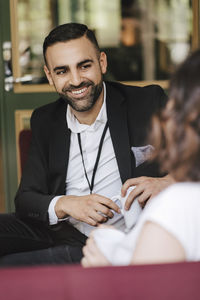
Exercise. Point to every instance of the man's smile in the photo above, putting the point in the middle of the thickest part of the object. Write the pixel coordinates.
(79, 93)
(82, 97)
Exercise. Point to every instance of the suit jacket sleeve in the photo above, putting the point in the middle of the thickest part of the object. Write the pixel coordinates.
(38, 184)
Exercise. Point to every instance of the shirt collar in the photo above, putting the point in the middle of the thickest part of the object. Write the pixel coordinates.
(76, 127)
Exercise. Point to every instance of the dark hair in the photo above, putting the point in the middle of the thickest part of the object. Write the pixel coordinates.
(67, 32)
(176, 132)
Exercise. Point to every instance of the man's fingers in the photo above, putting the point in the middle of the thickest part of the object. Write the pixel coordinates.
(110, 204)
(97, 217)
(144, 197)
(102, 209)
(90, 221)
(131, 197)
(130, 182)
(125, 186)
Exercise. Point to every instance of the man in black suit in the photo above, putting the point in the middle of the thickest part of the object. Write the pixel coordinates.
(84, 147)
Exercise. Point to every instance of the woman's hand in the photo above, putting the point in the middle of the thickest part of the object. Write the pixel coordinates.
(93, 257)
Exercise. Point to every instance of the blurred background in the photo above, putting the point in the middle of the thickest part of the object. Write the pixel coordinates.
(144, 40)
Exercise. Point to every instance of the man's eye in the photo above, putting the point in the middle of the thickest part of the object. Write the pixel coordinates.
(60, 72)
(84, 67)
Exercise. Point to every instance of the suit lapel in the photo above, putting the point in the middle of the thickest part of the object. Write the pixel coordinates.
(60, 142)
(117, 120)
(59, 150)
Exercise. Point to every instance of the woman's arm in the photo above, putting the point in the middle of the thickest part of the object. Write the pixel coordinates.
(157, 245)
(154, 245)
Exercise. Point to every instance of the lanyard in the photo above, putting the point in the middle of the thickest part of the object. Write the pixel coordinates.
(91, 185)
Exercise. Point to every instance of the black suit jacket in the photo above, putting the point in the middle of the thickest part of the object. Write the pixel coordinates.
(129, 111)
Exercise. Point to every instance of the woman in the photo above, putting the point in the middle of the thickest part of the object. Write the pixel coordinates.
(168, 229)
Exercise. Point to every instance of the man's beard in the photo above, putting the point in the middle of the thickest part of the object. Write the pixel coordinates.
(89, 100)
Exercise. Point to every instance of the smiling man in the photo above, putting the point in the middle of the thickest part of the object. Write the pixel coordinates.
(79, 81)
(84, 147)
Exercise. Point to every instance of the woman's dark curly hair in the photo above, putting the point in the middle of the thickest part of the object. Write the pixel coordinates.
(176, 132)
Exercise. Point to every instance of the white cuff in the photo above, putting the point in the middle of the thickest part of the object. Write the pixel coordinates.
(53, 219)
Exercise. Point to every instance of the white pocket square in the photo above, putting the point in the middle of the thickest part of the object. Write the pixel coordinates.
(142, 153)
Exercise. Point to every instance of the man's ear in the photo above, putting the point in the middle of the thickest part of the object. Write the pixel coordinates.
(48, 74)
(103, 62)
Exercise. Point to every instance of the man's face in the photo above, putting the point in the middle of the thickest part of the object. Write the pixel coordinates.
(76, 69)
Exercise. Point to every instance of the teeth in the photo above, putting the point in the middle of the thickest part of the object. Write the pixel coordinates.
(79, 91)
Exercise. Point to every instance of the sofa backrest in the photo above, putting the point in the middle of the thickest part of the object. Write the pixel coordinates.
(179, 281)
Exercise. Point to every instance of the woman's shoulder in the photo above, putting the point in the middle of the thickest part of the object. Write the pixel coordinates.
(176, 209)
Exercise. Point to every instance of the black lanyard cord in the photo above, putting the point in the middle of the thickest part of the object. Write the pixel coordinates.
(91, 185)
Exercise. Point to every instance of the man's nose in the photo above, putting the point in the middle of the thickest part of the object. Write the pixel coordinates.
(75, 78)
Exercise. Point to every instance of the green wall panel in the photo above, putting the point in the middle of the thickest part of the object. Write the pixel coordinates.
(9, 102)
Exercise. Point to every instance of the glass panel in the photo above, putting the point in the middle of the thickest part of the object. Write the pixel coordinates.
(143, 39)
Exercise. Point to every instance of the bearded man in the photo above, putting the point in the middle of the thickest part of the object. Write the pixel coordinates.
(86, 147)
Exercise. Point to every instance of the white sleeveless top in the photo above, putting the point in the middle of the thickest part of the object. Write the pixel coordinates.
(177, 210)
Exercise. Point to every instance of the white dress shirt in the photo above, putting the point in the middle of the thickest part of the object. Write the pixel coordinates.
(107, 180)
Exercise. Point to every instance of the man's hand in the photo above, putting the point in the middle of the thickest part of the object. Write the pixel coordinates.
(92, 209)
(93, 257)
(145, 188)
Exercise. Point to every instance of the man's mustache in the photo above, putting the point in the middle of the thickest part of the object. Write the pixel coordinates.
(71, 87)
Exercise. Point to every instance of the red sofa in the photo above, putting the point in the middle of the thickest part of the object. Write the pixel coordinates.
(179, 281)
